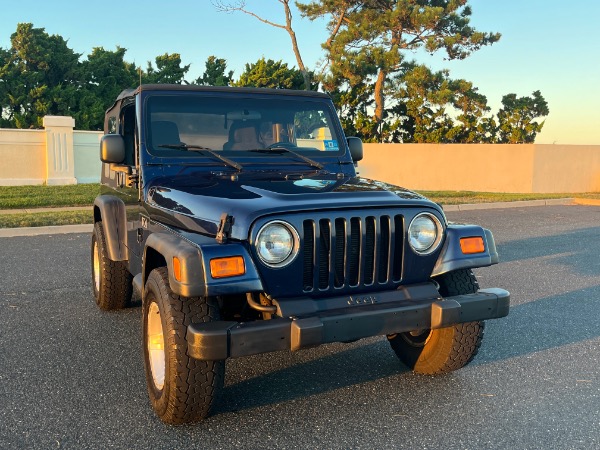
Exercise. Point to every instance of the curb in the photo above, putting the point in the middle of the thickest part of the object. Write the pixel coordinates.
(518, 204)
(38, 231)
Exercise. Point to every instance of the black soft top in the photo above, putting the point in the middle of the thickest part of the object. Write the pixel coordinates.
(194, 88)
(130, 93)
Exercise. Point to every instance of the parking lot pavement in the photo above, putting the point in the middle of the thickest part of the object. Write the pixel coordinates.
(71, 376)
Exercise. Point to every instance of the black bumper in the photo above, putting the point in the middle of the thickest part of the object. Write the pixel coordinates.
(221, 340)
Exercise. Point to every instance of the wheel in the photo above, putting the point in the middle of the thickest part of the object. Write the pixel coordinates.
(181, 389)
(111, 280)
(442, 350)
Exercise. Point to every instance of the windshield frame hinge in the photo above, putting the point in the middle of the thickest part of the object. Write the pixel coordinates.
(224, 230)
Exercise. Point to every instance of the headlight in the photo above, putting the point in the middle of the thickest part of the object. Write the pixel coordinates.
(277, 244)
(425, 233)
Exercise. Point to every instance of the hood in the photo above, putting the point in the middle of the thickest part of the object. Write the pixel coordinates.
(197, 201)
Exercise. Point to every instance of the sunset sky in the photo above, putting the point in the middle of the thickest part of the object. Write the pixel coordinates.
(547, 45)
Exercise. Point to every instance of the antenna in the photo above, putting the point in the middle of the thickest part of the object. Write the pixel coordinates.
(140, 69)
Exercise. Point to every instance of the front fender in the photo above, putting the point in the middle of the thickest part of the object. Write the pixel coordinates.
(196, 279)
(452, 258)
(111, 210)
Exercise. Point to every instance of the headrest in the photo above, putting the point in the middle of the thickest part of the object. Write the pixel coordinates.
(165, 132)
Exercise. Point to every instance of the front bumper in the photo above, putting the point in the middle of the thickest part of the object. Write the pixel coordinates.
(221, 340)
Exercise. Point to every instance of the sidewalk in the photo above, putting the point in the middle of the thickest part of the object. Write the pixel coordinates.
(517, 204)
(87, 228)
(39, 231)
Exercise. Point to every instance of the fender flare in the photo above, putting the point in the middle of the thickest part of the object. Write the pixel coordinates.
(195, 277)
(452, 258)
(111, 211)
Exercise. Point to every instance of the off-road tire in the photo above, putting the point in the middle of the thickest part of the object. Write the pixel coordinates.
(432, 352)
(190, 386)
(111, 280)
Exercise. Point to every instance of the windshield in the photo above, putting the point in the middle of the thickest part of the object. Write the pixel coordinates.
(238, 124)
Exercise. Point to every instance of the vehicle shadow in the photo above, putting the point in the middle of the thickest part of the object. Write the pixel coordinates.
(362, 363)
(532, 327)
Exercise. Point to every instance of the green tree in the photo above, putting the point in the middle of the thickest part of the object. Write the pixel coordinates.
(470, 126)
(39, 77)
(437, 108)
(168, 70)
(215, 73)
(4, 122)
(352, 104)
(517, 118)
(424, 95)
(375, 34)
(271, 74)
(104, 74)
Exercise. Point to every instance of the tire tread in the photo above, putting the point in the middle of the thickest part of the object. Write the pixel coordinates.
(116, 286)
(193, 385)
(450, 348)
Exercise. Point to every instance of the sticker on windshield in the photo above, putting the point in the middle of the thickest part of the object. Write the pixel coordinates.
(331, 145)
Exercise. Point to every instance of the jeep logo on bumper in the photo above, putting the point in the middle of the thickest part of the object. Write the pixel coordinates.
(362, 300)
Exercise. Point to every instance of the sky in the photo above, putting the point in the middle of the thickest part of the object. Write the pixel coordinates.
(547, 45)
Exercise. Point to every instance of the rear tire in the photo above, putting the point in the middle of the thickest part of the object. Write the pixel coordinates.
(181, 389)
(442, 350)
(111, 280)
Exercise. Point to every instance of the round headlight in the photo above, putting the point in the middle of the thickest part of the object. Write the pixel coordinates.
(425, 233)
(277, 244)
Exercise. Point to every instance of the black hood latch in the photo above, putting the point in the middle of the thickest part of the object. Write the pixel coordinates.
(224, 231)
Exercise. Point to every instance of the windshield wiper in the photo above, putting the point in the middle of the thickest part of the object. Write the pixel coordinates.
(306, 159)
(200, 149)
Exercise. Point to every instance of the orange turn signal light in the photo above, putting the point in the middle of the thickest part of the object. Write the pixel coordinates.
(177, 268)
(470, 245)
(230, 266)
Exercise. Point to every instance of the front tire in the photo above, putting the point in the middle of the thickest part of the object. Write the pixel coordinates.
(111, 280)
(443, 350)
(181, 389)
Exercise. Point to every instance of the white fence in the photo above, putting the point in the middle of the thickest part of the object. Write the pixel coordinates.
(55, 155)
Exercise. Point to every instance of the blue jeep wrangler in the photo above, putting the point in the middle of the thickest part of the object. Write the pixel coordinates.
(238, 216)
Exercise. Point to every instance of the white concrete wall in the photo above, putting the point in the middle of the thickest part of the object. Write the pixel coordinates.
(519, 168)
(55, 155)
(87, 156)
(22, 157)
(566, 168)
(60, 164)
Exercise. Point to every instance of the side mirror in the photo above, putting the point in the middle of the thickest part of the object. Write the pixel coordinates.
(112, 149)
(356, 148)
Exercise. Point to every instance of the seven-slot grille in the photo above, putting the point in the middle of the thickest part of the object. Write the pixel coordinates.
(352, 251)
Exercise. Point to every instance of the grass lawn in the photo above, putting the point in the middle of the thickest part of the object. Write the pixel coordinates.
(45, 219)
(23, 197)
(462, 197)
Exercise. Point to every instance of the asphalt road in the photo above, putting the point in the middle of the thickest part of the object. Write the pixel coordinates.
(71, 376)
